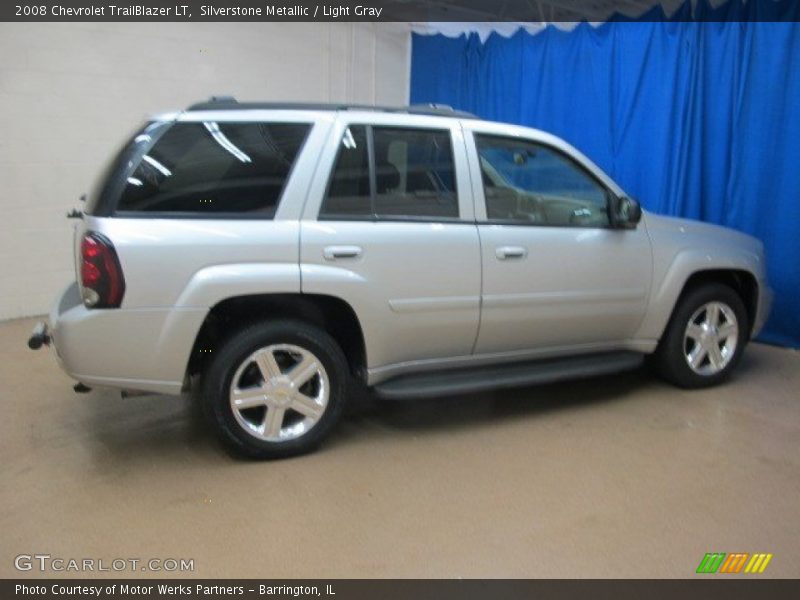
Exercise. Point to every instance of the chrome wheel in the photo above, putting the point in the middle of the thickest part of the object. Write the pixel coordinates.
(279, 392)
(710, 339)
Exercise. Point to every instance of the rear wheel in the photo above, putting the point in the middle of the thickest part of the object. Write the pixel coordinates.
(704, 339)
(276, 389)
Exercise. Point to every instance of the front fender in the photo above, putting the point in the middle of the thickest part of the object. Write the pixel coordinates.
(671, 277)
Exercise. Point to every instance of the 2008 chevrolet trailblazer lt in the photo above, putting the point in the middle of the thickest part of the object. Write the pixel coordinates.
(280, 254)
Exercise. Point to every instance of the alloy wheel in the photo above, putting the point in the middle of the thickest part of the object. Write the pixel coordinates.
(279, 392)
(710, 338)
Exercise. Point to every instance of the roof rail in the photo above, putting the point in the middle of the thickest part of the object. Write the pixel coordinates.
(229, 103)
(223, 99)
(438, 109)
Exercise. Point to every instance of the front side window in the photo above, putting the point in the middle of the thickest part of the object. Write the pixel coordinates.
(392, 173)
(532, 184)
(213, 167)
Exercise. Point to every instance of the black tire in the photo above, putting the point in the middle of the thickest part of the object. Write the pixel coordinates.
(670, 360)
(234, 352)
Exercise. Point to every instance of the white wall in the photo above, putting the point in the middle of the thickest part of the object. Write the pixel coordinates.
(70, 92)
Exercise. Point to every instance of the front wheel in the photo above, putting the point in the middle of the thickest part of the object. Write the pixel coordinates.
(704, 339)
(275, 389)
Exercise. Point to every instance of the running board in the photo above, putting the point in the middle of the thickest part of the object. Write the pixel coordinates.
(467, 380)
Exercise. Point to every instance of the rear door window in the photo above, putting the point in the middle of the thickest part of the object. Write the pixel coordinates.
(414, 174)
(349, 195)
(211, 167)
(392, 173)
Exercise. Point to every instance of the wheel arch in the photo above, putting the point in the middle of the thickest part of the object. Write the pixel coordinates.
(329, 313)
(742, 281)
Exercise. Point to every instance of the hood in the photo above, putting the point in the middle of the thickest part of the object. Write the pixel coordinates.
(707, 232)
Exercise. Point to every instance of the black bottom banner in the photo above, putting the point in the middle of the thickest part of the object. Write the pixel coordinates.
(390, 589)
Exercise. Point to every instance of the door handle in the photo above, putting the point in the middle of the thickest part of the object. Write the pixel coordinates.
(334, 252)
(506, 252)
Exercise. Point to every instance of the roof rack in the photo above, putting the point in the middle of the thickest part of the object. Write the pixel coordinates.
(230, 103)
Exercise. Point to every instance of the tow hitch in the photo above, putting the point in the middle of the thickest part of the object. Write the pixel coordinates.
(39, 336)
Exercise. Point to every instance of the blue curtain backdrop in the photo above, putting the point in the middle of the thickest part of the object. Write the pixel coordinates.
(697, 118)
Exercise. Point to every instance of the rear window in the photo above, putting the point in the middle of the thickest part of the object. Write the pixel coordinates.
(107, 187)
(214, 167)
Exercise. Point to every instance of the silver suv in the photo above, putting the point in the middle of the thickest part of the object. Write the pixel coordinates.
(281, 255)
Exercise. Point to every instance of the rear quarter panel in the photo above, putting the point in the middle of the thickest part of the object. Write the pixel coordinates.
(177, 269)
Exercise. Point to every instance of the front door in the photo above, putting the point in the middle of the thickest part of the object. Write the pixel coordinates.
(556, 275)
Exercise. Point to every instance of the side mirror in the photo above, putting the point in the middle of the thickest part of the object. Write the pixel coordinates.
(627, 213)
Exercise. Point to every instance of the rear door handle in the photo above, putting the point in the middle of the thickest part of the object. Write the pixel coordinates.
(334, 252)
(506, 252)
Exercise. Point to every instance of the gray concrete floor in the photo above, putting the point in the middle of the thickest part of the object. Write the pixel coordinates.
(621, 476)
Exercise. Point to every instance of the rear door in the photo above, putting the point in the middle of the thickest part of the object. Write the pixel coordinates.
(389, 228)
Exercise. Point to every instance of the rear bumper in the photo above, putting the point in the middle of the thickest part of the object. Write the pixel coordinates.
(136, 349)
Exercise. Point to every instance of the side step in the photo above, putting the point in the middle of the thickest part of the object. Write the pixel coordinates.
(467, 380)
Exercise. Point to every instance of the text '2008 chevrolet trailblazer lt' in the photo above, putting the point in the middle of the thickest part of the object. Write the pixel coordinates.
(281, 254)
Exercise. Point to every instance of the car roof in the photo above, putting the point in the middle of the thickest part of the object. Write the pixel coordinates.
(230, 103)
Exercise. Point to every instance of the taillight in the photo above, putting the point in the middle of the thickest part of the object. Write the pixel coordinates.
(102, 282)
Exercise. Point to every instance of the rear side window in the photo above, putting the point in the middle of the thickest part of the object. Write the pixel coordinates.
(213, 167)
(392, 173)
